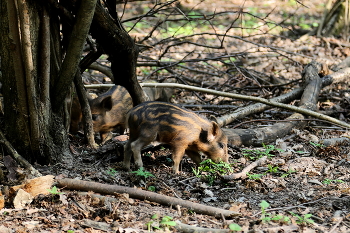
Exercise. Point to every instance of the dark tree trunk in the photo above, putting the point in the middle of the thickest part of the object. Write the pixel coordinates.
(122, 51)
(336, 20)
(36, 132)
(36, 78)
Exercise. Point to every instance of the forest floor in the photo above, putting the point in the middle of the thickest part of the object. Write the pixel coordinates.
(306, 185)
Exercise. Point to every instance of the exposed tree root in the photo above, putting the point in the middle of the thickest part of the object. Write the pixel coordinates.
(22, 161)
(143, 195)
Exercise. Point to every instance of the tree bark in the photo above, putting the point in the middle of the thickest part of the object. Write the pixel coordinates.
(74, 51)
(122, 52)
(34, 83)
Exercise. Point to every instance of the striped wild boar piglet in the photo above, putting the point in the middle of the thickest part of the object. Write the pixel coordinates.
(185, 132)
(109, 110)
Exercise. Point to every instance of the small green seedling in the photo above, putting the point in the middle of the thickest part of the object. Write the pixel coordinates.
(54, 191)
(70, 231)
(257, 154)
(329, 181)
(166, 223)
(235, 227)
(112, 172)
(254, 176)
(266, 217)
(290, 171)
(317, 144)
(149, 224)
(152, 188)
(142, 173)
(209, 170)
(303, 220)
(271, 169)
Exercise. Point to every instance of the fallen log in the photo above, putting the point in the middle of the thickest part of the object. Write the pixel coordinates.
(256, 137)
(143, 195)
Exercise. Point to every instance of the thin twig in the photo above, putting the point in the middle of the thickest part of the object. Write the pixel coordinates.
(292, 207)
(244, 97)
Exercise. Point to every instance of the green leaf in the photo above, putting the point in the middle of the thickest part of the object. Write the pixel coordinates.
(264, 204)
(235, 227)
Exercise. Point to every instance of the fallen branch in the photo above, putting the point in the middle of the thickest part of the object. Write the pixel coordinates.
(143, 195)
(256, 108)
(22, 161)
(243, 173)
(238, 96)
(257, 137)
(292, 207)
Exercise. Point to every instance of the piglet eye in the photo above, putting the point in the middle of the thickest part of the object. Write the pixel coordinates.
(221, 145)
(94, 117)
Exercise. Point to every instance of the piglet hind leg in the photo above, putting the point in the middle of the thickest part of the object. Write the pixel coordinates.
(127, 155)
(136, 147)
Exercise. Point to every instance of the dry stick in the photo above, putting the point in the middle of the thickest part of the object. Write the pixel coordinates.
(237, 96)
(256, 108)
(143, 195)
(14, 154)
(292, 207)
(335, 226)
(243, 173)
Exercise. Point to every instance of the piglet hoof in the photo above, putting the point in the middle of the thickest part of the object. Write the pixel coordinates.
(139, 164)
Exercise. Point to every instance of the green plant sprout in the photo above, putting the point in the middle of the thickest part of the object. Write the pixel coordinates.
(257, 154)
(317, 144)
(264, 205)
(70, 231)
(112, 172)
(151, 188)
(271, 169)
(142, 173)
(266, 217)
(54, 191)
(254, 176)
(303, 220)
(209, 170)
(235, 227)
(329, 181)
(290, 171)
(149, 224)
(166, 223)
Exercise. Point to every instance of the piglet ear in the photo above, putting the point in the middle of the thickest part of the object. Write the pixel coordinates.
(215, 129)
(107, 103)
(213, 132)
